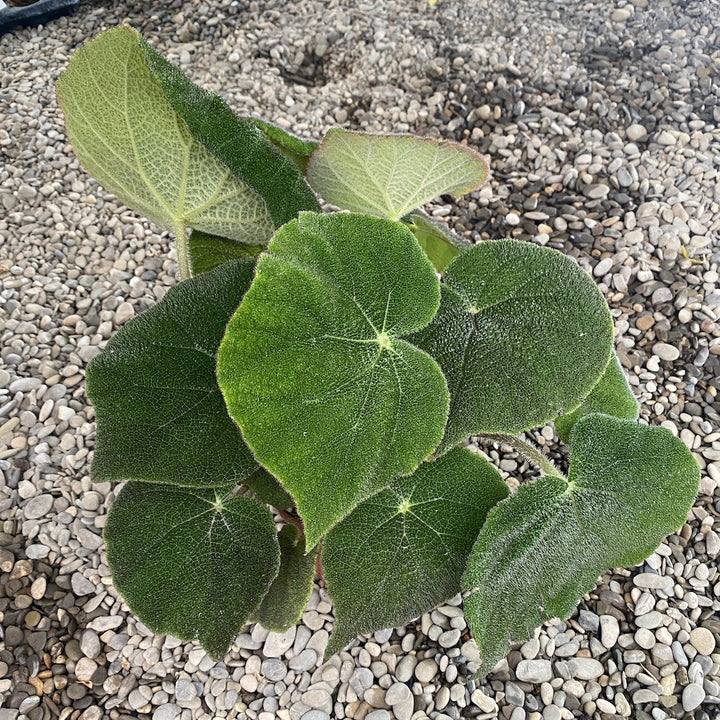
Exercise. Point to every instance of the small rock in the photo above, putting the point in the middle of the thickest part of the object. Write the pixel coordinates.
(635, 133)
(38, 507)
(692, 697)
(653, 581)
(185, 690)
(534, 671)
(426, 670)
(166, 711)
(665, 138)
(621, 15)
(585, 668)
(702, 640)
(512, 219)
(81, 585)
(25, 384)
(609, 631)
(84, 669)
(665, 351)
(398, 693)
(449, 638)
(598, 190)
(277, 644)
(485, 703)
(274, 669)
(90, 644)
(124, 312)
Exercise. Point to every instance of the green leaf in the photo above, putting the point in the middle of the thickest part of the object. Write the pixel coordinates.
(190, 563)
(404, 550)
(390, 175)
(160, 414)
(266, 488)
(240, 145)
(127, 134)
(329, 398)
(544, 547)
(208, 251)
(611, 395)
(287, 597)
(439, 244)
(298, 150)
(522, 335)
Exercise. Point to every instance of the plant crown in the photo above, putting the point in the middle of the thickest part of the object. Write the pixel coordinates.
(314, 366)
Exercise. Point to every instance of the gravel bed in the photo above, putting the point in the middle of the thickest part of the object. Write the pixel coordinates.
(601, 123)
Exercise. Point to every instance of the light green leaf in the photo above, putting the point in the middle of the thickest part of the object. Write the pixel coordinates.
(328, 397)
(522, 335)
(544, 547)
(287, 597)
(439, 244)
(127, 134)
(191, 563)
(208, 251)
(404, 550)
(298, 150)
(160, 413)
(390, 175)
(611, 395)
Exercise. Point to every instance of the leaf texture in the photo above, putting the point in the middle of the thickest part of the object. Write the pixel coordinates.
(544, 547)
(611, 395)
(522, 335)
(191, 563)
(128, 136)
(208, 251)
(390, 175)
(439, 244)
(404, 550)
(328, 398)
(160, 414)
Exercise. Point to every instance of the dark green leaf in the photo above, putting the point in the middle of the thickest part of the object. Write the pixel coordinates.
(328, 397)
(191, 563)
(439, 244)
(160, 414)
(543, 548)
(611, 395)
(239, 144)
(268, 489)
(208, 251)
(287, 597)
(296, 149)
(404, 550)
(522, 335)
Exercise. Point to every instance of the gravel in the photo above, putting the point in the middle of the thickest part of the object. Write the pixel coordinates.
(601, 124)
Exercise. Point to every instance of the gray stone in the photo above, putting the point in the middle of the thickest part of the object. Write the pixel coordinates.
(185, 690)
(702, 640)
(90, 644)
(277, 644)
(398, 693)
(275, 670)
(38, 507)
(635, 133)
(692, 697)
(166, 711)
(534, 671)
(426, 670)
(609, 630)
(315, 715)
(25, 384)
(585, 668)
(653, 581)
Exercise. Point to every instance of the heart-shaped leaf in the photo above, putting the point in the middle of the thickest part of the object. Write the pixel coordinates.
(611, 395)
(287, 597)
(191, 563)
(544, 547)
(208, 251)
(127, 134)
(390, 175)
(439, 244)
(160, 414)
(404, 549)
(522, 335)
(327, 395)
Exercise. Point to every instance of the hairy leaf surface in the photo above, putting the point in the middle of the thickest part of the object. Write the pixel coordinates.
(287, 597)
(404, 550)
(522, 335)
(611, 395)
(544, 547)
(127, 134)
(191, 563)
(208, 251)
(298, 150)
(390, 175)
(328, 397)
(439, 244)
(160, 414)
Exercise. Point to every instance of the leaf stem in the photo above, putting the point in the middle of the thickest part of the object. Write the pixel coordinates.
(530, 452)
(183, 250)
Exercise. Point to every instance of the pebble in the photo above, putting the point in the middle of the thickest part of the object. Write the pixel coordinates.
(585, 668)
(166, 711)
(693, 696)
(666, 352)
(636, 132)
(609, 630)
(426, 670)
(702, 640)
(276, 644)
(38, 507)
(534, 671)
(653, 581)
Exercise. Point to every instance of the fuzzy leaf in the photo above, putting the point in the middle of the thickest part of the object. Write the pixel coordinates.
(522, 335)
(160, 413)
(390, 175)
(190, 563)
(544, 547)
(328, 397)
(298, 150)
(127, 134)
(208, 251)
(439, 244)
(611, 395)
(404, 550)
(287, 597)
(240, 145)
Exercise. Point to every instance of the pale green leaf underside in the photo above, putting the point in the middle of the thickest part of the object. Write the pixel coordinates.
(191, 563)
(522, 335)
(285, 601)
(160, 414)
(127, 135)
(544, 547)
(403, 550)
(611, 395)
(439, 244)
(328, 398)
(390, 175)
